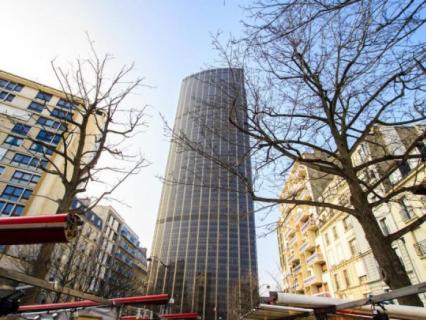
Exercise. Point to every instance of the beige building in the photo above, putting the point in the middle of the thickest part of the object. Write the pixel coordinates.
(301, 255)
(32, 119)
(352, 271)
(34, 123)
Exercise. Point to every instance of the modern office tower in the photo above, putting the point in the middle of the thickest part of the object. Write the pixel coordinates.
(204, 249)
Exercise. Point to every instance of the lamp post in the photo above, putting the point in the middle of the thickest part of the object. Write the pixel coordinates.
(166, 268)
(166, 271)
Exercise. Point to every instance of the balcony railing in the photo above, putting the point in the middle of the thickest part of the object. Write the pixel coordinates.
(311, 280)
(420, 248)
(308, 225)
(292, 241)
(289, 231)
(297, 268)
(308, 244)
(301, 216)
(293, 258)
(314, 258)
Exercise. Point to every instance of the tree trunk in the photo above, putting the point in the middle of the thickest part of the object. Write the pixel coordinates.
(43, 263)
(392, 270)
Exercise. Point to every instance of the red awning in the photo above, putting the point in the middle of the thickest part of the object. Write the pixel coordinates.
(145, 300)
(181, 316)
(39, 229)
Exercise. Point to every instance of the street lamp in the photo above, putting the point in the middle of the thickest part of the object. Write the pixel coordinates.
(166, 270)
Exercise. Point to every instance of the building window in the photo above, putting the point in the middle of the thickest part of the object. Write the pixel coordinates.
(384, 226)
(37, 147)
(2, 169)
(6, 96)
(21, 128)
(347, 224)
(336, 281)
(406, 210)
(353, 247)
(14, 141)
(335, 233)
(371, 174)
(363, 152)
(9, 85)
(13, 193)
(65, 104)
(420, 145)
(327, 240)
(346, 277)
(45, 122)
(404, 169)
(48, 137)
(22, 159)
(2, 152)
(25, 177)
(11, 209)
(43, 96)
(35, 106)
(61, 114)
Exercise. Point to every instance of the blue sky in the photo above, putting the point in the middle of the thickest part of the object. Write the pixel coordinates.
(167, 40)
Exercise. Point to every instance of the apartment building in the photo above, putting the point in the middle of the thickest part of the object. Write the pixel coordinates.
(32, 119)
(123, 263)
(29, 112)
(75, 264)
(352, 269)
(301, 254)
(352, 265)
(105, 259)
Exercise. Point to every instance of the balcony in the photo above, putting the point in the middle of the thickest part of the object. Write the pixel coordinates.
(314, 279)
(302, 216)
(420, 248)
(322, 294)
(308, 244)
(297, 268)
(292, 241)
(308, 226)
(293, 258)
(298, 286)
(315, 258)
(289, 231)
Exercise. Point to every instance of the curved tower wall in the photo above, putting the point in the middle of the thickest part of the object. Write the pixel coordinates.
(205, 229)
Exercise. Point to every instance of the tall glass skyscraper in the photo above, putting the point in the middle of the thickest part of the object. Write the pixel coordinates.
(204, 249)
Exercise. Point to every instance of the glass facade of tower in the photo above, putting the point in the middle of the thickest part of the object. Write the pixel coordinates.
(205, 232)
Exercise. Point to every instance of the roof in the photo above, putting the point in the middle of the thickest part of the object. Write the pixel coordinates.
(36, 85)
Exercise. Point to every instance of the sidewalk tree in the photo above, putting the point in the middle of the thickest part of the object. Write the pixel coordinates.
(321, 76)
(98, 126)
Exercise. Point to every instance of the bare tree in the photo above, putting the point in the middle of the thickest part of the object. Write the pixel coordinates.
(96, 125)
(325, 79)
